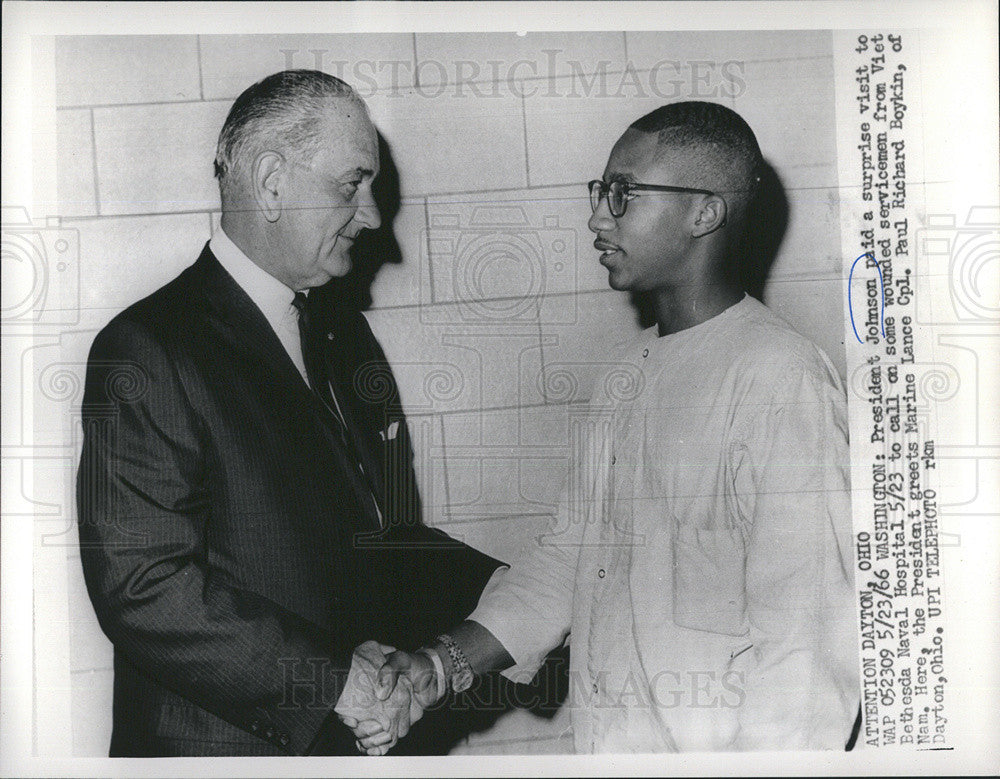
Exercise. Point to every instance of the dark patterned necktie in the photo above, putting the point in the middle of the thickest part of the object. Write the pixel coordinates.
(313, 358)
(319, 382)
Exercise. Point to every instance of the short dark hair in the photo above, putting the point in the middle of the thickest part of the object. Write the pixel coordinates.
(721, 144)
(283, 111)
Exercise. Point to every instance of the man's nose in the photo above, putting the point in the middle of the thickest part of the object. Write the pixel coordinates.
(368, 213)
(601, 219)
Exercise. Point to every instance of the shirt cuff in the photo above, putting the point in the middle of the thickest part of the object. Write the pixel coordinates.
(496, 611)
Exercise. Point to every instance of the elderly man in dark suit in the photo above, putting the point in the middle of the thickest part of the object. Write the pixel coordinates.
(248, 514)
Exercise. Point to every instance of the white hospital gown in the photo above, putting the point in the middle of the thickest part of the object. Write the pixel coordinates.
(701, 557)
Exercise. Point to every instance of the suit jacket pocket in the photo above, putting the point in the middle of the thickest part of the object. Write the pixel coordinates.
(709, 576)
(192, 723)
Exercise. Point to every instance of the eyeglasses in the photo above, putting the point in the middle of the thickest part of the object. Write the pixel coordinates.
(619, 192)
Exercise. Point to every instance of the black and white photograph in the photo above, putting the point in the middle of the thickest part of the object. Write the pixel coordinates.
(454, 388)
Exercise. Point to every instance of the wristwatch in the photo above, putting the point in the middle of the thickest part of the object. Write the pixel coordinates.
(461, 671)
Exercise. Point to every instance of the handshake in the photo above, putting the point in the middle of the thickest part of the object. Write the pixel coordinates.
(387, 691)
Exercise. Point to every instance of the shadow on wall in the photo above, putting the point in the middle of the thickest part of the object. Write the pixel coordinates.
(766, 228)
(373, 248)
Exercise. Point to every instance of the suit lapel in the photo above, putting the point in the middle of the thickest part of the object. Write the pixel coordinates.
(245, 328)
(246, 325)
(243, 322)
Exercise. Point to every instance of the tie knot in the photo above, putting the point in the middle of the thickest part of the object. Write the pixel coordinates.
(300, 301)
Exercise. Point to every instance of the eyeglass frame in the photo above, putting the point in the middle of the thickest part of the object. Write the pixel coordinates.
(605, 189)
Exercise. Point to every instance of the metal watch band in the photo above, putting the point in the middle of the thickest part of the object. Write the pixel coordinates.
(461, 675)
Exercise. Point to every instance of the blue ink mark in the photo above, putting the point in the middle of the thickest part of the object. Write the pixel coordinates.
(881, 285)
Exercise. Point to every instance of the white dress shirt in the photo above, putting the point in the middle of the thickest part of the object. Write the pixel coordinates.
(701, 557)
(271, 296)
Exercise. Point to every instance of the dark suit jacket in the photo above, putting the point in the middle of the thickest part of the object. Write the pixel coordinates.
(232, 557)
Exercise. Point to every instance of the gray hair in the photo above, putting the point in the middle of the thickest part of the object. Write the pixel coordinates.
(283, 112)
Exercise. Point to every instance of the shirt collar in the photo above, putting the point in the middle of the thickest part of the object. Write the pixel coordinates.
(271, 296)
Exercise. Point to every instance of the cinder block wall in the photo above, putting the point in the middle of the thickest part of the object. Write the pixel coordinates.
(499, 318)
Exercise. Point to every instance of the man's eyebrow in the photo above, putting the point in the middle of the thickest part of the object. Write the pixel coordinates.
(359, 171)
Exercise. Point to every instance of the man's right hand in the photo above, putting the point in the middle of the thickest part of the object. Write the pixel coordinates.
(381, 719)
(415, 673)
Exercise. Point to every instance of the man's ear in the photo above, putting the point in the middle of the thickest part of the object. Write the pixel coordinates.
(711, 216)
(268, 180)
